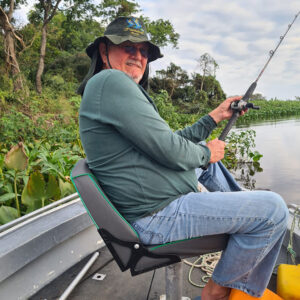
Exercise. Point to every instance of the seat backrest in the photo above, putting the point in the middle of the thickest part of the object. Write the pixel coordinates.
(101, 210)
(120, 237)
(117, 233)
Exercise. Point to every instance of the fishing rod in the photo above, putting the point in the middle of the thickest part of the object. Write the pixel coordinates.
(243, 104)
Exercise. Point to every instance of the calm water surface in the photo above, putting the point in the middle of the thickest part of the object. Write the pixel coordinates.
(279, 142)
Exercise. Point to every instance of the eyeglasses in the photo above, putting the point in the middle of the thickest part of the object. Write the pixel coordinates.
(133, 51)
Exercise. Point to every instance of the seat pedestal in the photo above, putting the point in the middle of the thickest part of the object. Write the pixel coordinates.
(174, 279)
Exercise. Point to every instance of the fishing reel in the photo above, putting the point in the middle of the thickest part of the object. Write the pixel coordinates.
(242, 105)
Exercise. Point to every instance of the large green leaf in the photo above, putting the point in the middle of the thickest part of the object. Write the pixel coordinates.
(7, 214)
(36, 185)
(52, 189)
(38, 191)
(16, 158)
(66, 188)
(7, 196)
(34, 193)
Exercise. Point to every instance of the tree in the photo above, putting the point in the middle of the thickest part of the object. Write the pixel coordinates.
(161, 31)
(7, 8)
(210, 86)
(71, 34)
(173, 79)
(257, 96)
(191, 94)
(45, 10)
(208, 66)
(111, 9)
(61, 29)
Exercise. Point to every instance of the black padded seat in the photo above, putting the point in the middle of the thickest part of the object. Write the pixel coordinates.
(123, 241)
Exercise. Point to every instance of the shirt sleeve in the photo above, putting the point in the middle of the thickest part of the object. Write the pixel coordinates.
(124, 106)
(199, 131)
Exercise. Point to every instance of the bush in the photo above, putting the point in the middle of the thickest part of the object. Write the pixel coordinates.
(6, 83)
(54, 81)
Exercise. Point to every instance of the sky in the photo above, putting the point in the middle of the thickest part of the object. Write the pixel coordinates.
(238, 35)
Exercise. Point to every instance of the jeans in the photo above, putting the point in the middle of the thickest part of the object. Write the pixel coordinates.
(255, 220)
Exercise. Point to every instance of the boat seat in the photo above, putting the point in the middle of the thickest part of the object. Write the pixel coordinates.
(121, 238)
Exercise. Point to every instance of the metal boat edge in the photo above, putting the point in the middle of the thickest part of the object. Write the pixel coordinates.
(38, 247)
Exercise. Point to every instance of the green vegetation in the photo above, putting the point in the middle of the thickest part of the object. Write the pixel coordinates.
(271, 110)
(42, 64)
(47, 132)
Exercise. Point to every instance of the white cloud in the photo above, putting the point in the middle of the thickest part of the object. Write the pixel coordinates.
(239, 35)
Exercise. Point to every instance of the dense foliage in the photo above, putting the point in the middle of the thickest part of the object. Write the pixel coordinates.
(39, 140)
(48, 129)
(271, 109)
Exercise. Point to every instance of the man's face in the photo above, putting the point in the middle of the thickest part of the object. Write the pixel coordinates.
(128, 57)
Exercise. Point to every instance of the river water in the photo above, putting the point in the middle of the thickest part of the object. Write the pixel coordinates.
(279, 142)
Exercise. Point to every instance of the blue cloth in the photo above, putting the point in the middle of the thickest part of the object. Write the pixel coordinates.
(255, 220)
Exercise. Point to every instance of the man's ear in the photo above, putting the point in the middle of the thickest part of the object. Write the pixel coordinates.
(102, 51)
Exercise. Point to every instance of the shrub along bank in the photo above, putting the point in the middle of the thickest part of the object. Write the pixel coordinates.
(43, 132)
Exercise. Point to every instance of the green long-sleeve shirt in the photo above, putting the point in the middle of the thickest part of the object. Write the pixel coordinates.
(139, 161)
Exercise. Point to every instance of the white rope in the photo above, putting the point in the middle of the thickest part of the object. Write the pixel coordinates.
(290, 249)
(207, 264)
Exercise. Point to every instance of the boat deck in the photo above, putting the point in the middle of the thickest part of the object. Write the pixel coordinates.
(118, 285)
(41, 254)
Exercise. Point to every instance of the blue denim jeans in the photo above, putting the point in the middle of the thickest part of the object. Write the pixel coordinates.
(255, 220)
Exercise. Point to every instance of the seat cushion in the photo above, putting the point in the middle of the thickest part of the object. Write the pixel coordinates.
(192, 247)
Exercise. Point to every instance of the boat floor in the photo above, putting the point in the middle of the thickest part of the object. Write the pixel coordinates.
(118, 285)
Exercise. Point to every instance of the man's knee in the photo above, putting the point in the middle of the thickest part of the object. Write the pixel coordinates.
(280, 212)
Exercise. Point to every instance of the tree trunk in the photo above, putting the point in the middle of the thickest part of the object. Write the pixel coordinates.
(49, 12)
(41, 65)
(12, 65)
(172, 90)
(202, 81)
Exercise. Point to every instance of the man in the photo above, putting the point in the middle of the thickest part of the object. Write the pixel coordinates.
(148, 171)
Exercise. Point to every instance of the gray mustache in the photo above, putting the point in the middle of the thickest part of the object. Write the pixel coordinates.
(136, 62)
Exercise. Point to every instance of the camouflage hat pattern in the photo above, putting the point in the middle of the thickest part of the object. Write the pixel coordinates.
(125, 29)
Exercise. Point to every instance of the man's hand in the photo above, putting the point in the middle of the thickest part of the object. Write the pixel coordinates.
(223, 111)
(217, 150)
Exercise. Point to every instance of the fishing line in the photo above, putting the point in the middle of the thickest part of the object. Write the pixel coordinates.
(243, 104)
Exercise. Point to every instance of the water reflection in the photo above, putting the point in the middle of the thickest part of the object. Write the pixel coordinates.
(244, 173)
(279, 142)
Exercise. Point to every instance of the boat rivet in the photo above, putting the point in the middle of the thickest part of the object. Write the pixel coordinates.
(98, 276)
(136, 246)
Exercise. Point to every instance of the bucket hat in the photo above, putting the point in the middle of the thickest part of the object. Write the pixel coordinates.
(125, 29)
(118, 31)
